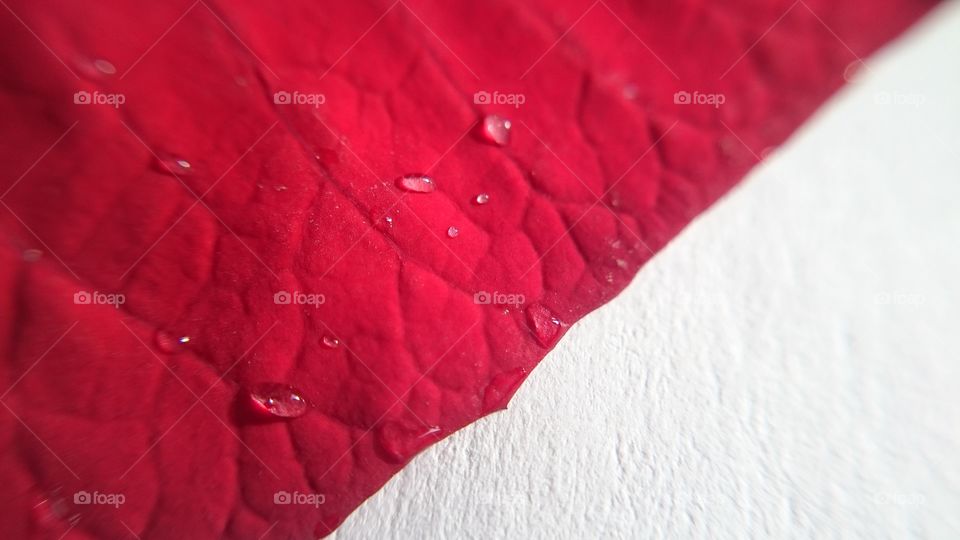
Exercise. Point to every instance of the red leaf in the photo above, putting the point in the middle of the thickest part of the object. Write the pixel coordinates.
(222, 307)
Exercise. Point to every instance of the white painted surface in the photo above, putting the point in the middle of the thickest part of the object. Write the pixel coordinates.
(788, 367)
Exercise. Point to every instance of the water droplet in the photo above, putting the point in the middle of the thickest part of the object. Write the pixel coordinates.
(279, 187)
(496, 129)
(453, 232)
(544, 325)
(389, 221)
(275, 399)
(105, 67)
(417, 183)
(622, 264)
(46, 512)
(331, 342)
(501, 387)
(174, 165)
(482, 198)
(631, 91)
(853, 70)
(31, 255)
(170, 344)
(400, 442)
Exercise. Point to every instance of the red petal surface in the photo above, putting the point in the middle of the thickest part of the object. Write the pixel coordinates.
(248, 229)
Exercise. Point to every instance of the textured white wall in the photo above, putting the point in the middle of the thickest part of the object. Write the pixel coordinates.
(787, 367)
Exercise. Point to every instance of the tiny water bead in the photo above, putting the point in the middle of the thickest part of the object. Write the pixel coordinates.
(330, 342)
(169, 343)
(501, 387)
(453, 232)
(482, 198)
(174, 165)
(277, 399)
(417, 183)
(388, 220)
(31, 255)
(496, 129)
(104, 66)
(400, 442)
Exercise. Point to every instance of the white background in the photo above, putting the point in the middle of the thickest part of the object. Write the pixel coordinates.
(787, 367)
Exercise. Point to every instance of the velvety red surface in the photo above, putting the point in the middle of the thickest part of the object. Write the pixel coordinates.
(605, 165)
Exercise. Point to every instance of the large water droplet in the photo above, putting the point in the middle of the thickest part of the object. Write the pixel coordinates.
(330, 342)
(48, 512)
(401, 442)
(453, 232)
(171, 344)
(276, 399)
(496, 129)
(501, 387)
(417, 183)
(53, 513)
(544, 325)
(482, 198)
